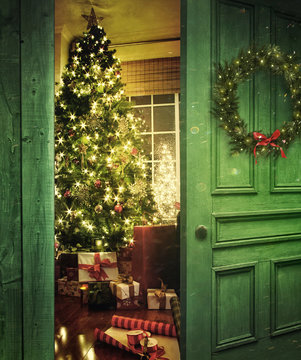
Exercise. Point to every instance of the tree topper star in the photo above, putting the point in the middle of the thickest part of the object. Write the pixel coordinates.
(92, 19)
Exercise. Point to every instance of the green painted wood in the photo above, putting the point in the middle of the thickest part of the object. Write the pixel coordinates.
(10, 213)
(195, 127)
(37, 79)
(183, 183)
(253, 246)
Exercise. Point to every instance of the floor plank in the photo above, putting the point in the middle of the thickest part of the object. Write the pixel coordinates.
(75, 324)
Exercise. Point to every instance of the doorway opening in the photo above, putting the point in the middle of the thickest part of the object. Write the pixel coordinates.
(117, 175)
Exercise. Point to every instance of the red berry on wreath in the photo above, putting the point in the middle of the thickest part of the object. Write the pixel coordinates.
(118, 208)
(97, 183)
(67, 194)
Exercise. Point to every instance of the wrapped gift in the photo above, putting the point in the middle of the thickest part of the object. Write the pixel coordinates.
(99, 266)
(67, 260)
(133, 303)
(70, 288)
(125, 253)
(72, 274)
(73, 288)
(124, 290)
(100, 295)
(159, 300)
(125, 266)
(62, 286)
(156, 255)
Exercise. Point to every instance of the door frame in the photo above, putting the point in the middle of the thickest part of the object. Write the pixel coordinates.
(195, 208)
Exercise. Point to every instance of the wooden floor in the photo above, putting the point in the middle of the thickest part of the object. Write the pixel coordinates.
(75, 324)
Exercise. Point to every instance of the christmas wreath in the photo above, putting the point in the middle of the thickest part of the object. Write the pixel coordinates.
(226, 101)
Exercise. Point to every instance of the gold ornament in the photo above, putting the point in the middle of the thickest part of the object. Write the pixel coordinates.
(98, 209)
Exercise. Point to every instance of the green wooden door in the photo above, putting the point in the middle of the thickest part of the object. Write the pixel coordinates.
(241, 285)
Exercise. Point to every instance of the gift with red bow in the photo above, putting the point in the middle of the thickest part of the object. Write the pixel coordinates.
(99, 266)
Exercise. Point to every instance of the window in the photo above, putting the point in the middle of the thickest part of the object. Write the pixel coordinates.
(161, 143)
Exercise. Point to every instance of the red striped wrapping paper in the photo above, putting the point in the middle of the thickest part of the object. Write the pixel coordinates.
(154, 327)
(102, 336)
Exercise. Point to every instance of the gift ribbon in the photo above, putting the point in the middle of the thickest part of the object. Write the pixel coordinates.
(96, 271)
(131, 289)
(124, 278)
(264, 141)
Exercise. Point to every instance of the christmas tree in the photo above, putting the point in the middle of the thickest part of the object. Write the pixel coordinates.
(102, 189)
(165, 185)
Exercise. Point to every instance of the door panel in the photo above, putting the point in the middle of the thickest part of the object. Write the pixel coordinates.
(252, 212)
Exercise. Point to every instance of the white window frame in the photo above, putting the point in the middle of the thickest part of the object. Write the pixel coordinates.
(176, 132)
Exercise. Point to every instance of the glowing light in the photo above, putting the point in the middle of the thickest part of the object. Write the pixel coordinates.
(69, 212)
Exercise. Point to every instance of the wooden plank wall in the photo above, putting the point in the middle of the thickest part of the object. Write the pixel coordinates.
(26, 185)
(10, 184)
(37, 79)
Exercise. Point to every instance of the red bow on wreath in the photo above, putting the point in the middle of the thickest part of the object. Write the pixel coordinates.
(264, 141)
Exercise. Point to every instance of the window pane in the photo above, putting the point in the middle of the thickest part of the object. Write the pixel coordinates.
(165, 190)
(145, 114)
(164, 140)
(164, 118)
(141, 100)
(164, 99)
(147, 146)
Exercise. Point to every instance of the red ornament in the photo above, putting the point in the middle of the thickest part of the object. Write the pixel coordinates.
(97, 183)
(118, 208)
(117, 73)
(71, 132)
(134, 151)
(67, 194)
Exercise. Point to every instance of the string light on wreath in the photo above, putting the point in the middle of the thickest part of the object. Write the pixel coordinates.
(226, 100)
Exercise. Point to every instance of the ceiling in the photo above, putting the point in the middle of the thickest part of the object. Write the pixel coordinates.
(137, 28)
